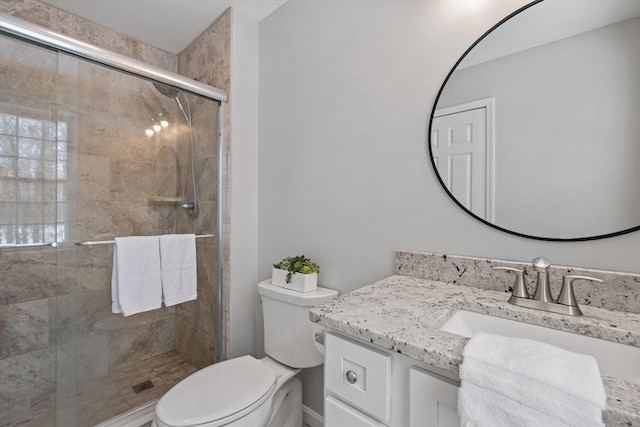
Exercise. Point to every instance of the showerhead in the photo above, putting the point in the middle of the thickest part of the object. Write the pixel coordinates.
(166, 90)
(172, 92)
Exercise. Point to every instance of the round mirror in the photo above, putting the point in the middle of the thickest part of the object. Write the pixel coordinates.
(536, 129)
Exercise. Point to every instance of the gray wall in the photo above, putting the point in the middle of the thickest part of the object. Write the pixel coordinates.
(346, 90)
(585, 90)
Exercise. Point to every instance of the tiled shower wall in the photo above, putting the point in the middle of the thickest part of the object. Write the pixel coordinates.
(55, 305)
(82, 29)
(206, 59)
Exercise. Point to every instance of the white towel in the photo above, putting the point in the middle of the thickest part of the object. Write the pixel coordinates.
(179, 273)
(135, 281)
(513, 381)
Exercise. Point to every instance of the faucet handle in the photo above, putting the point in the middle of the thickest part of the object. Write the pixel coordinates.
(519, 288)
(567, 297)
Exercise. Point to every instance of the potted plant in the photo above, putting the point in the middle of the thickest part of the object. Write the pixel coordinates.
(297, 273)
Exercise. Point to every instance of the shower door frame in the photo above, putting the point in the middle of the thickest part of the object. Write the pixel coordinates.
(36, 34)
(45, 37)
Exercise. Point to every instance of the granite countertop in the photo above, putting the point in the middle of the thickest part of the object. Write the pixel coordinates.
(403, 314)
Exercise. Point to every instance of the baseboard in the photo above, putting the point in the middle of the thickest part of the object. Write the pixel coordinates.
(140, 416)
(311, 417)
(144, 414)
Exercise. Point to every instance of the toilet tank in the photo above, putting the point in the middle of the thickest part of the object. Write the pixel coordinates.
(288, 333)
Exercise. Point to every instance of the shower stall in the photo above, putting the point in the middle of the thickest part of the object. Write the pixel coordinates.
(95, 145)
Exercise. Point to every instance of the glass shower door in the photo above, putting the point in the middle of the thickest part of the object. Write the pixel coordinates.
(89, 153)
(36, 215)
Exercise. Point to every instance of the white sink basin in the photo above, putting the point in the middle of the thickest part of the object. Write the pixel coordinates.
(614, 359)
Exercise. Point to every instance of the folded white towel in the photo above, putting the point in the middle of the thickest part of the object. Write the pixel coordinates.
(539, 381)
(179, 272)
(135, 281)
(479, 407)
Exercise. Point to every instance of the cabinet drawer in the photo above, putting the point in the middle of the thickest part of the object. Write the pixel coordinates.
(359, 375)
(339, 414)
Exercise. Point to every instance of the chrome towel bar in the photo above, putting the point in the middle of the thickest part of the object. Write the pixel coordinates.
(112, 242)
(82, 243)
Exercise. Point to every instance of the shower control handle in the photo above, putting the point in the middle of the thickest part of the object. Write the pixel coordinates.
(192, 207)
(351, 377)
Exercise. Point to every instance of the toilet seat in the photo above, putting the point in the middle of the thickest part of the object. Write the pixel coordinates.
(217, 395)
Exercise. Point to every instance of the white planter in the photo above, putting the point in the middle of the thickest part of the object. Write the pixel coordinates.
(299, 282)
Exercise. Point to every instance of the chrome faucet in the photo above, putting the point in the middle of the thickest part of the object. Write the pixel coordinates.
(542, 298)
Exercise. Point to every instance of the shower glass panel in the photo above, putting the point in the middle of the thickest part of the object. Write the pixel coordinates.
(37, 183)
(89, 153)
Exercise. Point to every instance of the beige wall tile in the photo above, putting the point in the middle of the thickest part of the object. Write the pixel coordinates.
(205, 123)
(94, 221)
(94, 176)
(93, 86)
(187, 312)
(66, 23)
(27, 69)
(218, 75)
(24, 327)
(203, 349)
(132, 218)
(184, 339)
(94, 133)
(187, 63)
(213, 45)
(27, 275)
(205, 172)
(29, 10)
(141, 342)
(130, 181)
(27, 375)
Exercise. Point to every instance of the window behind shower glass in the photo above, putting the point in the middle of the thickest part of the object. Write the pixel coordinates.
(33, 174)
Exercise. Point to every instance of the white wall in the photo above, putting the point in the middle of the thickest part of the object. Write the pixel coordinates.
(244, 183)
(346, 89)
(586, 91)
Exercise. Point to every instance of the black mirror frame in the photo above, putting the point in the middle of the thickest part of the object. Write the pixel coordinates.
(435, 169)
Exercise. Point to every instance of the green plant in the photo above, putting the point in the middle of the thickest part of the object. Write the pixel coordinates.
(297, 264)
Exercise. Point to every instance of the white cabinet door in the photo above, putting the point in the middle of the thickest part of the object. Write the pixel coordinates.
(433, 400)
(339, 414)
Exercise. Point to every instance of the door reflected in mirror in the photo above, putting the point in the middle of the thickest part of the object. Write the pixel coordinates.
(536, 131)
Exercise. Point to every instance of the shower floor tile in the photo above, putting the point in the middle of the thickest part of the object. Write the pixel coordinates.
(112, 394)
(101, 398)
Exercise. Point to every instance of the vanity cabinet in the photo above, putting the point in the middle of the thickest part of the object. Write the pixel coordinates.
(433, 400)
(338, 413)
(368, 386)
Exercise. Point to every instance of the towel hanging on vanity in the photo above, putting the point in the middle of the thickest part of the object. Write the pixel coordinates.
(519, 382)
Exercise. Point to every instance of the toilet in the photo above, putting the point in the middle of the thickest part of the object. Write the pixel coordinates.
(247, 392)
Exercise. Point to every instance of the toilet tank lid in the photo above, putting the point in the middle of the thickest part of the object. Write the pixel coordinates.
(304, 299)
(216, 392)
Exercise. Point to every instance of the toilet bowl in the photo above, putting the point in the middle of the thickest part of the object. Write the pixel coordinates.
(247, 392)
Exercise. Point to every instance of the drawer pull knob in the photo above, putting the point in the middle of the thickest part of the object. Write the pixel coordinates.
(351, 377)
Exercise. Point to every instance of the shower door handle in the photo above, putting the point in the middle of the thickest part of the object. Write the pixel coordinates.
(29, 245)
